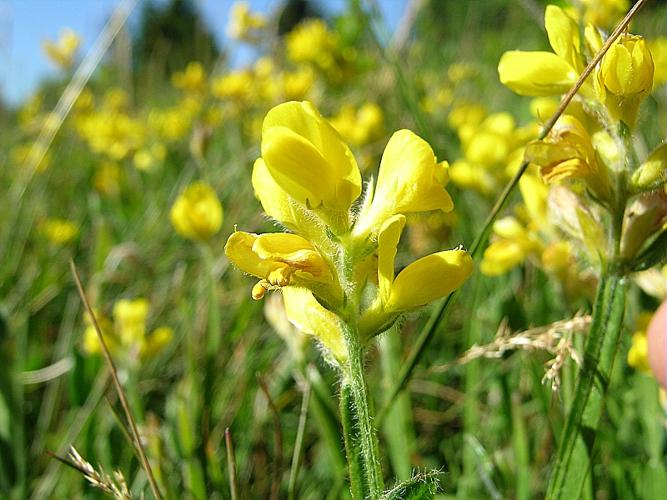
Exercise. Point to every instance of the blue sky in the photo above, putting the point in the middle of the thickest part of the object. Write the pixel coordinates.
(25, 24)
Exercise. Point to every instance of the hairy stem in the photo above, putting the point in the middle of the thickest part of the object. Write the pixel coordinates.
(361, 443)
(575, 452)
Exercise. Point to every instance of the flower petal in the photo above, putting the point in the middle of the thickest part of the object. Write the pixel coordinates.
(428, 279)
(388, 238)
(536, 73)
(309, 316)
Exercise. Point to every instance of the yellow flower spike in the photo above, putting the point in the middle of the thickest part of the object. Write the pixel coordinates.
(428, 279)
(308, 159)
(281, 259)
(197, 212)
(130, 318)
(568, 154)
(625, 77)
(409, 180)
(308, 315)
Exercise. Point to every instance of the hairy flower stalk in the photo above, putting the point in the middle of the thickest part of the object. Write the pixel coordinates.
(335, 266)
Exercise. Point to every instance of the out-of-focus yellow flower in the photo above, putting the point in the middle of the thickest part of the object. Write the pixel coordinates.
(63, 51)
(297, 84)
(658, 48)
(466, 114)
(568, 154)
(312, 42)
(127, 337)
(192, 79)
(638, 353)
(361, 126)
(244, 24)
(236, 86)
(58, 232)
(107, 179)
(197, 213)
(625, 77)
(130, 317)
(604, 13)
(547, 73)
(512, 247)
(150, 157)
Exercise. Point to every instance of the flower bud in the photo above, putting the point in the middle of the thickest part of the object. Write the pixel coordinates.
(197, 212)
(625, 77)
(653, 172)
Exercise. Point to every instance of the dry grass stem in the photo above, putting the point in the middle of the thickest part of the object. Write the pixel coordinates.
(555, 338)
(119, 388)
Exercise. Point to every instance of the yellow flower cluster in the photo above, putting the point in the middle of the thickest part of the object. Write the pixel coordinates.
(338, 262)
(492, 146)
(359, 126)
(314, 44)
(126, 336)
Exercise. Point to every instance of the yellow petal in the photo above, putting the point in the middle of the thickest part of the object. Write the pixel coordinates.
(275, 201)
(563, 35)
(536, 73)
(308, 315)
(388, 238)
(428, 279)
(501, 256)
(409, 180)
(308, 159)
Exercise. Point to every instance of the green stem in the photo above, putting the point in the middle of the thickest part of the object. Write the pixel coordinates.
(361, 443)
(573, 462)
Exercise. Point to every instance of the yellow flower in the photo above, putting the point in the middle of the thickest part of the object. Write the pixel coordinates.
(59, 231)
(130, 317)
(197, 212)
(312, 42)
(568, 154)
(546, 73)
(236, 86)
(244, 24)
(638, 353)
(191, 79)
(409, 180)
(604, 13)
(658, 48)
(625, 77)
(424, 280)
(63, 51)
(307, 158)
(107, 179)
(91, 341)
(155, 342)
(280, 260)
(359, 126)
